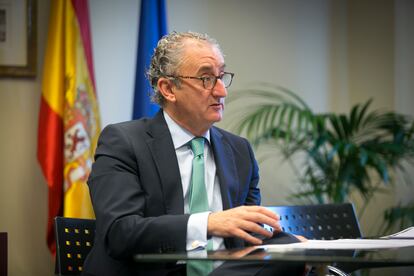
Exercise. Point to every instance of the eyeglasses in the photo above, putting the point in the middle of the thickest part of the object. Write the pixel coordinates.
(210, 81)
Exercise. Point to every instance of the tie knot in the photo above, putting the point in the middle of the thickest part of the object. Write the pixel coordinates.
(197, 146)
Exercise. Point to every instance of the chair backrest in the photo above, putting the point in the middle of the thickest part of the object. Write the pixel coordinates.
(321, 221)
(74, 240)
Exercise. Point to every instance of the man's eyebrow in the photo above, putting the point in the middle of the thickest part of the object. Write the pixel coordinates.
(209, 68)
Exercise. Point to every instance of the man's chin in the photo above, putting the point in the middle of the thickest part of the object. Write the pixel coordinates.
(217, 118)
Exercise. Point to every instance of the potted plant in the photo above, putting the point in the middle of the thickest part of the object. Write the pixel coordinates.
(343, 153)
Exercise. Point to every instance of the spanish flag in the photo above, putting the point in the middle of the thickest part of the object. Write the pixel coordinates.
(69, 122)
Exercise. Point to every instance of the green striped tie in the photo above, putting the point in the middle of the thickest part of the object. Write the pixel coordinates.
(198, 202)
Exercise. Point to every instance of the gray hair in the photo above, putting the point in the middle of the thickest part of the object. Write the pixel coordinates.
(167, 59)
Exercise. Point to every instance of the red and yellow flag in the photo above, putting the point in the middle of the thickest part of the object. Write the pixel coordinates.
(69, 122)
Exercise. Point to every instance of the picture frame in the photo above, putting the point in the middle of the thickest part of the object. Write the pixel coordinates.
(18, 38)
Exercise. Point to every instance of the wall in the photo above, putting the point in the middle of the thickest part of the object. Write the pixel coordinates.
(312, 47)
(288, 46)
(23, 192)
(403, 76)
(372, 58)
(114, 37)
(364, 70)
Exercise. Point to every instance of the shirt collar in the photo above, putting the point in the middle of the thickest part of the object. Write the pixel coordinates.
(180, 135)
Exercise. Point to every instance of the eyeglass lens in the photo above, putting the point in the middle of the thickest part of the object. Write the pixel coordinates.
(226, 78)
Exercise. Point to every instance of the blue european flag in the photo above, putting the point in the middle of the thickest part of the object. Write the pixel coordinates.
(152, 27)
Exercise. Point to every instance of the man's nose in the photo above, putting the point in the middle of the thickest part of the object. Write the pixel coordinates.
(220, 90)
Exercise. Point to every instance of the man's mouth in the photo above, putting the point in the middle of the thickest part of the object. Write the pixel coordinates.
(216, 105)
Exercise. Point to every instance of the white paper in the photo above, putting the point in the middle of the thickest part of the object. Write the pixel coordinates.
(342, 244)
(406, 233)
(403, 238)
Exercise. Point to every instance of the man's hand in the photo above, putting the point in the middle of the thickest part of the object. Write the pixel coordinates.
(239, 221)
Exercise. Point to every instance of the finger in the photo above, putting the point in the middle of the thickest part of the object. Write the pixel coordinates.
(264, 211)
(260, 218)
(247, 237)
(255, 228)
(277, 229)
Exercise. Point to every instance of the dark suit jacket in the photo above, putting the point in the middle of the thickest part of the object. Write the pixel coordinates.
(136, 191)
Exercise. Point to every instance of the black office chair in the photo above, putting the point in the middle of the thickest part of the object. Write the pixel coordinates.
(74, 240)
(322, 222)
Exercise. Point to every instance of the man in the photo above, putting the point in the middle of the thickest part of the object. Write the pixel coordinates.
(143, 180)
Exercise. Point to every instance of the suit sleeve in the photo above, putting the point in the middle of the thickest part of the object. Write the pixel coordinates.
(119, 201)
(253, 195)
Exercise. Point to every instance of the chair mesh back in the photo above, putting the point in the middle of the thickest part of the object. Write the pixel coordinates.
(74, 240)
(323, 221)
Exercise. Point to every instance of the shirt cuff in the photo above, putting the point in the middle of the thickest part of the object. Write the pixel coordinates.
(197, 231)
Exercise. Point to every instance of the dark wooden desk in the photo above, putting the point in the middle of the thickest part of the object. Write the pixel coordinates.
(350, 259)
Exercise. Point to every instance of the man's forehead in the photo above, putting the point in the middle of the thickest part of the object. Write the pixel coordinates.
(202, 54)
(195, 45)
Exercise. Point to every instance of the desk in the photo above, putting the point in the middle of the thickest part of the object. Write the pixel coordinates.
(350, 259)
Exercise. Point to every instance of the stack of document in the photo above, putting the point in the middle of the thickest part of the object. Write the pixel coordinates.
(404, 234)
(403, 238)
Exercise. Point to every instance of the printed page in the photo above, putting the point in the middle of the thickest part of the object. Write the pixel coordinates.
(405, 234)
(345, 244)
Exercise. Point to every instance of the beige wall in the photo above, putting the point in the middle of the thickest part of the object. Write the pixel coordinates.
(372, 57)
(362, 63)
(403, 75)
(371, 52)
(333, 53)
(23, 192)
(362, 53)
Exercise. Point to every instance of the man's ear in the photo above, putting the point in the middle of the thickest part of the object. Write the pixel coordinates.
(165, 86)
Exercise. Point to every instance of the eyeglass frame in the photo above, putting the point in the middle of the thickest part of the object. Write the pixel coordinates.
(203, 79)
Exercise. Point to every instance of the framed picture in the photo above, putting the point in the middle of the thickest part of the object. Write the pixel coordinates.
(18, 38)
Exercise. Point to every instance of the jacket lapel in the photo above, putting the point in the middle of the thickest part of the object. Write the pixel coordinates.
(225, 168)
(162, 148)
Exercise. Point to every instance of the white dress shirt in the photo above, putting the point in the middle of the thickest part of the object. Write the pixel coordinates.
(197, 223)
